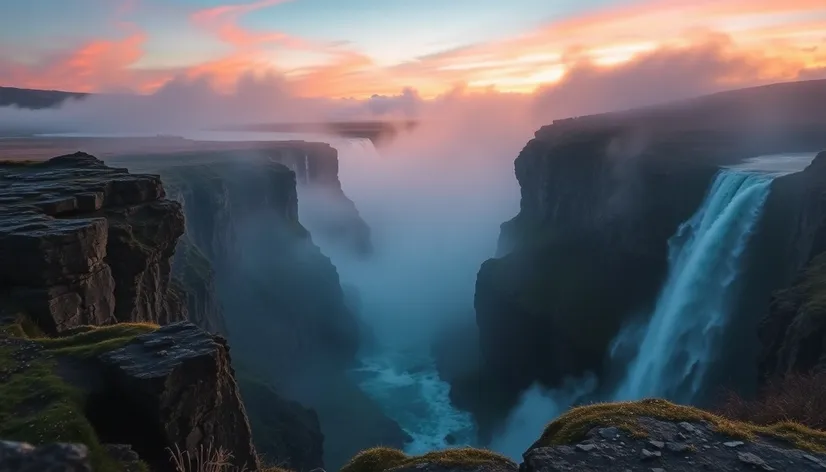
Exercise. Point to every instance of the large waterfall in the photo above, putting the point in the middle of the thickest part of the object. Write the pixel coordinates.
(705, 256)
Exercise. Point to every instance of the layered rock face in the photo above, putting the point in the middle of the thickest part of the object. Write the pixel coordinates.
(314, 164)
(82, 243)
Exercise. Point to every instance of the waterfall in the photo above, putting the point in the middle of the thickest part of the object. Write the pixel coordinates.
(676, 347)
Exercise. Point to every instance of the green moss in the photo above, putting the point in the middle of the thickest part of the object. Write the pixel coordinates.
(574, 425)
(36, 406)
(88, 341)
(379, 459)
(22, 327)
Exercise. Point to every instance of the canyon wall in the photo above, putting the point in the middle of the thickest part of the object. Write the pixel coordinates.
(587, 253)
(791, 258)
(87, 258)
(283, 306)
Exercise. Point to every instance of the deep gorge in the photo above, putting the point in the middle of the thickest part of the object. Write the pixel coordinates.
(361, 309)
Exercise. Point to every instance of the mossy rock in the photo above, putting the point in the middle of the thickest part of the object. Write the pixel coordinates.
(379, 459)
(89, 341)
(574, 425)
(36, 405)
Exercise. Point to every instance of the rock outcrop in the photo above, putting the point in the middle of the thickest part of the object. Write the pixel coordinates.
(135, 395)
(57, 457)
(82, 243)
(180, 387)
(655, 435)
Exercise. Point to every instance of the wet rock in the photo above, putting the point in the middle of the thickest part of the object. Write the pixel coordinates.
(733, 443)
(58, 457)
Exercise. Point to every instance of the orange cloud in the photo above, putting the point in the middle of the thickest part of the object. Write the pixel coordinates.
(94, 66)
(779, 32)
(778, 41)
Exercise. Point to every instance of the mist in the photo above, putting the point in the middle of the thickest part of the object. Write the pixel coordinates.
(433, 197)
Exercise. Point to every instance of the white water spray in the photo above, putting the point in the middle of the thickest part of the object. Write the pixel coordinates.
(705, 256)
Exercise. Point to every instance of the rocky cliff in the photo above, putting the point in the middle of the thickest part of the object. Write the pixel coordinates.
(314, 164)
(130, 393)
(792, 331)
(601, 195)
(82, 243)
(86, 245)
(281, 298)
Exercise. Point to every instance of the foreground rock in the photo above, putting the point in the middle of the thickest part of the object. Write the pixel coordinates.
(135, 395)
(181, 381)
(654, 436)
(82, 243)
(23, 457)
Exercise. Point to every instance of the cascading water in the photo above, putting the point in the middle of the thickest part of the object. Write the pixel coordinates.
(705, 255)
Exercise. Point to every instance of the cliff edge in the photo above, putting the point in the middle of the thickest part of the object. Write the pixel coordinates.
(82, 243)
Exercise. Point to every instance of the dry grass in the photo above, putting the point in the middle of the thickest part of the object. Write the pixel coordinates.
(574, 425)
(210, 459)
(796, 397)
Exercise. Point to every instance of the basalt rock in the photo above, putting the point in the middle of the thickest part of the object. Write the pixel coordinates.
(82, 243)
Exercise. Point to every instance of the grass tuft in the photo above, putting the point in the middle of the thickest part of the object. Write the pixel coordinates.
(209, 459)
(799, 398)
(574, 425)
(379, 459)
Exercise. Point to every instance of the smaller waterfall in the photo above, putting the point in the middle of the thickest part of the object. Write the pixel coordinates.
(676, 347)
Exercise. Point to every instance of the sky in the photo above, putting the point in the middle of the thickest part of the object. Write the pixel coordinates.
(358, 48)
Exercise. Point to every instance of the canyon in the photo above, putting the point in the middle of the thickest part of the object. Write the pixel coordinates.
(132, 278)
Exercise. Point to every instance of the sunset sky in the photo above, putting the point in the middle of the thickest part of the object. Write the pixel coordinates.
(356, 48)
